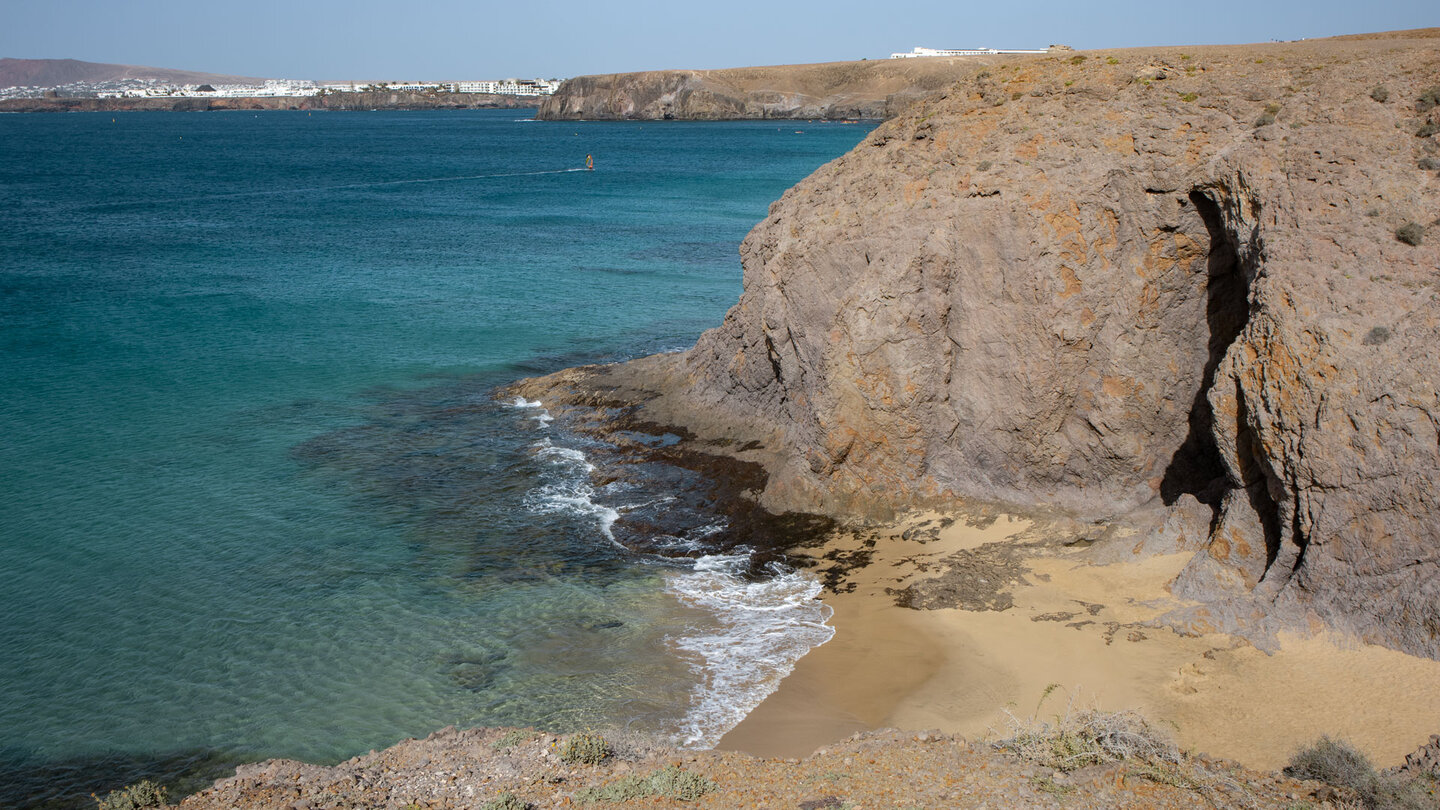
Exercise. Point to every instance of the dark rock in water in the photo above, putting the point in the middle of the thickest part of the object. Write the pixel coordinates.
(68, 784)
(1143, 301)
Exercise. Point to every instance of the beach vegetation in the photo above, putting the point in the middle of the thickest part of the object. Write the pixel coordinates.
(1081, 737)
(1189, 97)
(1112, 61)
(670, 782)
(586, 748)
(1338, 764)
(506, 801)
(512, 738)
(140, 795)
(1428, 100)
(1078, 59)
(1047, 784)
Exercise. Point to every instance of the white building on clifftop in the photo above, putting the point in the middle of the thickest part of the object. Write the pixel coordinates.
(922, 52)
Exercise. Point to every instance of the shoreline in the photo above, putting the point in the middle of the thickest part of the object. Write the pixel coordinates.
(1076, 622)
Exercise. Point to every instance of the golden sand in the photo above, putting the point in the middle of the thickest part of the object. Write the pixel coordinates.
(1077, 624)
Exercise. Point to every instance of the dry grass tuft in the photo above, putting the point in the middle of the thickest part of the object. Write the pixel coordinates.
(1079, 738)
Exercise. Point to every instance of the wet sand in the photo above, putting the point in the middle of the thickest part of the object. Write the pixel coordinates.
(1080, 625)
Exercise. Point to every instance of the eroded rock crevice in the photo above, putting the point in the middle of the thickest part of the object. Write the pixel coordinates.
(1197, 468)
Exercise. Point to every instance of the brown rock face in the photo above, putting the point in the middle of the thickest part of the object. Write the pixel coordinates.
(1058, 284)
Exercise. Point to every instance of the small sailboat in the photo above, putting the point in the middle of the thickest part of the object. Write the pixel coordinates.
(589, 163)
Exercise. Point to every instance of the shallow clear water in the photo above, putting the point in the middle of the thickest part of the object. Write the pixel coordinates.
(256, 498)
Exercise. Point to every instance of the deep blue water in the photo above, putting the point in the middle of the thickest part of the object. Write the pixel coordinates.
(256, 497)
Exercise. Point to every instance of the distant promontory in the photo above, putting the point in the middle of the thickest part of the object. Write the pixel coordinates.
(834, 91)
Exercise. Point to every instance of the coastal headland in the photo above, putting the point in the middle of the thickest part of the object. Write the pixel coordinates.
(1114, 370)
(833, 91)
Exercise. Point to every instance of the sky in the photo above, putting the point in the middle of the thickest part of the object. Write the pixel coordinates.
(402, 40)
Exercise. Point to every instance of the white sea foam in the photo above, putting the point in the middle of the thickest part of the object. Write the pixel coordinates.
(569, 488)
(762, 629)
(755, 631)
(543, 417)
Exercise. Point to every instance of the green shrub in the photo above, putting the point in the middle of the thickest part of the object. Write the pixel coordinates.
(590, 749)
(1077, 59)
(1112, 61)
(1411, 233)
(1428, 100)
(671, 782)
(1189, 97)
(1380, 94)
(1265, 120)
(505, 801)
(139, 795)
(680, 784)
(1337, 763)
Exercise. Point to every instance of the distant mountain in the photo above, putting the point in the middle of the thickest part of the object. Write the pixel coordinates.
(56, 72)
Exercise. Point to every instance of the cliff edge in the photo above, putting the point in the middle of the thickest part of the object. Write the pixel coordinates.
(1194, 284)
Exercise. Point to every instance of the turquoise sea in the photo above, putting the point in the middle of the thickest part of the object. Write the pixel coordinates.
(257, 497)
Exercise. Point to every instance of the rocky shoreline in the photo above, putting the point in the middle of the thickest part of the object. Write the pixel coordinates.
(1194, 282)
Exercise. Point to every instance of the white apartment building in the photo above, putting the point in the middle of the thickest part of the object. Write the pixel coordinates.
(921, 52)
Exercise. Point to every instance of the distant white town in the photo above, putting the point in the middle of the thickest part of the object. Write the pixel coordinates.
(276, 88)
(290, 88)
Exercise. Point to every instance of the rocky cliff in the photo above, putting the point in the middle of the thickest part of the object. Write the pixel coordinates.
(1197, 283)
(837, 90)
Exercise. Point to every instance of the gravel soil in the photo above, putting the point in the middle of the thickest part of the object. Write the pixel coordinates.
(878, 769)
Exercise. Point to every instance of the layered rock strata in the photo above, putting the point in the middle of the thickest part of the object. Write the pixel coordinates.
(1198, 281)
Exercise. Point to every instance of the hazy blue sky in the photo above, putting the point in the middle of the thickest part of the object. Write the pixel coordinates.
(455, 39)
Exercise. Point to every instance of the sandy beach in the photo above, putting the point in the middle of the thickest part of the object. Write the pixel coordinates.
(1071, 621)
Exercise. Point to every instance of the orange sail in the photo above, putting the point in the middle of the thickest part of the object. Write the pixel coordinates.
(589, 163)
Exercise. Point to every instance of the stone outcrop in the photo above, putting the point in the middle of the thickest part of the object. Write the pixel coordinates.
(1166, 279)
(837, 90)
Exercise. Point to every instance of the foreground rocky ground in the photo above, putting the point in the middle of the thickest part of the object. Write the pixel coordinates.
(881, 769)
